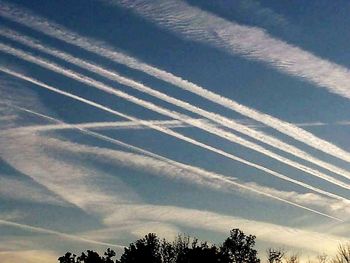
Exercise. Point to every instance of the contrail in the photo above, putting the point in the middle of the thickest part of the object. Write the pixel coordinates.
(207, 127)
(219, 119)
(47, 27)
(217, 179)
(251, 42)
(53, 232)
(171, 133)
(171, 124)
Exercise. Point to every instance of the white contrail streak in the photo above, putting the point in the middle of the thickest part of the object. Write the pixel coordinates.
(171, 133)
(251, 42)
(211, 177)
(101, 125)
(56, 233)
(207, 127)
(45, 26)
(221, 120)
(171, 124)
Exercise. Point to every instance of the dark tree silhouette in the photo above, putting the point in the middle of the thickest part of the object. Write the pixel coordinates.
(109, 255)
(167, 252)
(185, 251)
(143, 250)
(239, 248)
(343, 255)
(200, 253)
(67, 258)
(275, 255)
(89, 257)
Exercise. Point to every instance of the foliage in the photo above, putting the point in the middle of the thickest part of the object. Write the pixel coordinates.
(143, 250)
(343, 255)
(237, 248)
(89, 257)
(275, 255)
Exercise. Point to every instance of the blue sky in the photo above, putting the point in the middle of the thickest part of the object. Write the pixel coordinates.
(120, 118)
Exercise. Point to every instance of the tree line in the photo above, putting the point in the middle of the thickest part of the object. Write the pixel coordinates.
(236, 248)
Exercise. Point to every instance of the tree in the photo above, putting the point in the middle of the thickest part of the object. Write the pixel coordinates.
(89, 257)
(197, 252)
(109, 255)
(167, 252)
(67, 258)
(323, 258)
(343, 255)
(143, 250)
(239, 248)
(292, 259)
(275, 255)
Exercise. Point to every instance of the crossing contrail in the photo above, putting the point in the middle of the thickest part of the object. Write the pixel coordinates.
(219, 119)
(47, 27)
(171, 124)
(207, 127)
(171, 133)
(101, 125)
(188, 171)
(56, 233)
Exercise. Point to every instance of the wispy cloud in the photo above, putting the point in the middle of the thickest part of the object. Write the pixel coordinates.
(97, 193)
(159, 165)
(253, 10)
(196, 175)
(163, 166)
(220, 223)
(251, 42)
(136, 228)
(214, 117)
(53, 232)
(101, 204)
(28, 256)
(26, 18)
(172, 133)
(22, 190)
(211, 129)
(72, 173)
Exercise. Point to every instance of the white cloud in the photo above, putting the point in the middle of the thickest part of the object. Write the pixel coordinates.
(23, 190)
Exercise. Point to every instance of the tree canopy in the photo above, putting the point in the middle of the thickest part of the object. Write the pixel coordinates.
(237, 248)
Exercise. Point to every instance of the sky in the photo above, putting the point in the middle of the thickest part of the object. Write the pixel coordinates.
(119, 118)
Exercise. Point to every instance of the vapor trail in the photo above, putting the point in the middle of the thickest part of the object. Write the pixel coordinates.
(56, 233)
(207, 127)
(47, 27)
(251, 42)
(171, 133)
(221, 120)
(211, 177)
(171, 124)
